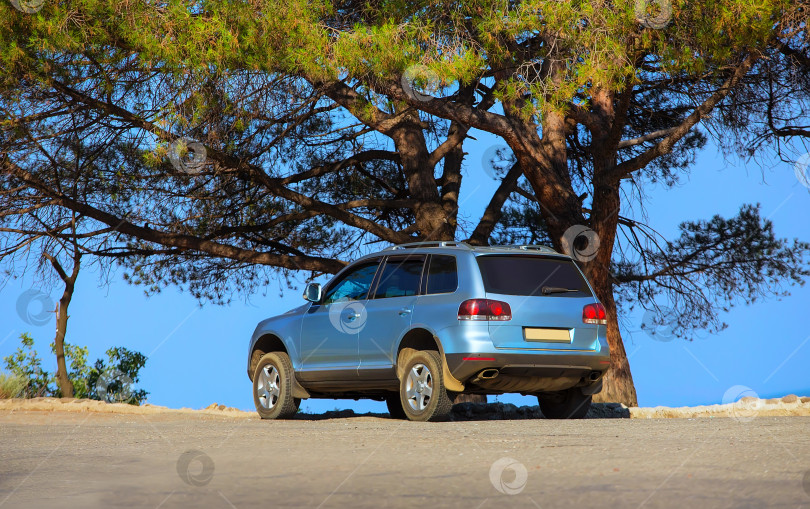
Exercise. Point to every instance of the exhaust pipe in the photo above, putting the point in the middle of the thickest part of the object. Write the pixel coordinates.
(595, 375)
(489, 374)
(486, 374)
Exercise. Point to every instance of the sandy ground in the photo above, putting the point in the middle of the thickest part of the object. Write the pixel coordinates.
(87, 454)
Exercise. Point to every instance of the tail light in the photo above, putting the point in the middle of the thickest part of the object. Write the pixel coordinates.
(484, 309)
(594, 313)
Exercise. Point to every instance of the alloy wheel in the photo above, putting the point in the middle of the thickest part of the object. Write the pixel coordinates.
(268, 389)
(419, 387)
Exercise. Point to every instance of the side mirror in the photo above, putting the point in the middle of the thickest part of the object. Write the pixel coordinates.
(313, 292)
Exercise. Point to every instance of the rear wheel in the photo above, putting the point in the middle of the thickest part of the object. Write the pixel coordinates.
(422, 393)
(272, 387)
(570, 404)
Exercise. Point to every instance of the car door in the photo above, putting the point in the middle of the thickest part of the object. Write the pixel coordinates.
(329, 328)
(388, 310)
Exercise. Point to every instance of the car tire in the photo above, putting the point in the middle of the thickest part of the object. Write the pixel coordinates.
(272, 387)
(570, 404)
(394, 405)
(421, 390)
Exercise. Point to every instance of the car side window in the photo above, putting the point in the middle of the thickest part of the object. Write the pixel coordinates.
(400, 277)
(353, 285)
(442, 274)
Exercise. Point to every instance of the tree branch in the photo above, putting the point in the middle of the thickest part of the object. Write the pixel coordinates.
(311, 263)
(665, 146)
(274, 185)
(494, 210)
(647, 137)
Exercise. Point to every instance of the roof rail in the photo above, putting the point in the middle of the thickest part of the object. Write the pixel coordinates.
(434, 243)
(533, 247)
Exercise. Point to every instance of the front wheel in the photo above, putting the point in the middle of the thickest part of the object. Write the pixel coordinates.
(570, 404)
(272, 387)
(422, 392)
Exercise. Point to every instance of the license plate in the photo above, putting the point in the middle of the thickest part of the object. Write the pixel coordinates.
(544, 335)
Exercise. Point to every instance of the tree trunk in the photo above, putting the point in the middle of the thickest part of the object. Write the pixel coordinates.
(62, 379)
(431, 217)
(451, 184)
(617, 385)
(65, 385)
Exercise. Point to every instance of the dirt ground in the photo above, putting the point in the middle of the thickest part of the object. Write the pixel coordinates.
(159, 458)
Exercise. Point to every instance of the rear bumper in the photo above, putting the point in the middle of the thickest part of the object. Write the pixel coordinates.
(465, 366)
(469, 349)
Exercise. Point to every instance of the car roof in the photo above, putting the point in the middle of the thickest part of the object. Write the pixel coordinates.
(450, 247)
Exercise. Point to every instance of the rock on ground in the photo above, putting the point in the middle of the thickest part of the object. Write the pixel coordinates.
(746, 408)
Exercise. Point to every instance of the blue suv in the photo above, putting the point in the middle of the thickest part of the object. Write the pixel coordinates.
(417, 324)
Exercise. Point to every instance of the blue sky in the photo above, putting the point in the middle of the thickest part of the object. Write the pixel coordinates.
(197, 355)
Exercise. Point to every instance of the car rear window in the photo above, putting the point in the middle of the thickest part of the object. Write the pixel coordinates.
(527, 275)
(400, 278)
(442, 274)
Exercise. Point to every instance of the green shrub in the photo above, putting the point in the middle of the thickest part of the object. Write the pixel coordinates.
(11, 386)
(117, 377)
(25, 364)
(109, 380)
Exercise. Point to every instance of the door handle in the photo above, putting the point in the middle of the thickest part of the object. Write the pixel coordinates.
(404, 311)
(352, 316)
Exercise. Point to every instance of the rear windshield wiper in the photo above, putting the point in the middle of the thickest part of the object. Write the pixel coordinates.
(556, 289)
